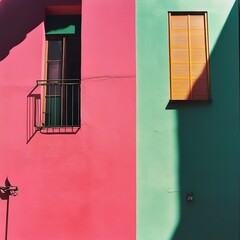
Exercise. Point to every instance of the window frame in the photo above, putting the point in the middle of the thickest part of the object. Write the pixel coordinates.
(206, 50)
(75, 116)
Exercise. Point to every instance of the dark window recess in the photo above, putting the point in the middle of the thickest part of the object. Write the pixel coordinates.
(62, 93)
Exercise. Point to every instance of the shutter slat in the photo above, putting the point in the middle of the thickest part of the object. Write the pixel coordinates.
(198, 55)
(180, 70)
(179, 39)
(179, 22)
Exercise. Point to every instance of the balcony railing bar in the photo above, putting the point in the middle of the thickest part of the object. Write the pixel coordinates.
(57, 82)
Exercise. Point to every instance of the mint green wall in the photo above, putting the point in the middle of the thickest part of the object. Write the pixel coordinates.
(187, 147)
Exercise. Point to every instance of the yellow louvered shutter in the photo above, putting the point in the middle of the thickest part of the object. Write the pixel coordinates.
(188, 57)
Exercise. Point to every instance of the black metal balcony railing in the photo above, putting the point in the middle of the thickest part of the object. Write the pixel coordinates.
(61, 108)
(53, 106)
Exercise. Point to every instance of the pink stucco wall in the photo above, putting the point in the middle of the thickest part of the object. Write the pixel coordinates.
(78, 186)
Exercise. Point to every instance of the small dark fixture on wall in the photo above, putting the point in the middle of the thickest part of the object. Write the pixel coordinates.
(5, 193)
(189, 196)
(9, 190)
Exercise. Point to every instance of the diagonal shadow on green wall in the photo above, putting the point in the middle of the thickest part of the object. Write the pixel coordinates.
(209, 140)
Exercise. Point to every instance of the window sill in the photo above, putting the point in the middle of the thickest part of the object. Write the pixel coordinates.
(176, 104)
(59, 130)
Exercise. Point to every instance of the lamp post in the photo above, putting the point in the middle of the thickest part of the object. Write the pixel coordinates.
(5, 193)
